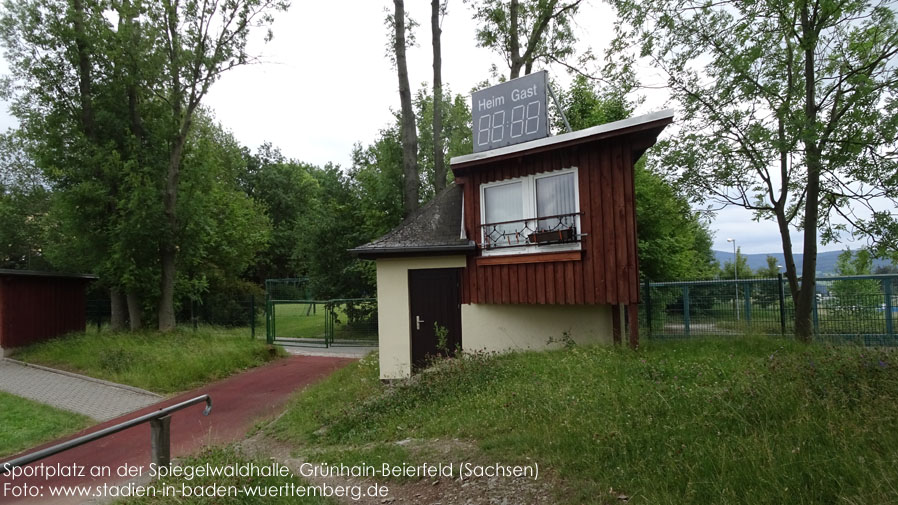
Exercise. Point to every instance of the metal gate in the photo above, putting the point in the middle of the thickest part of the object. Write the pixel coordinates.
(321, 323)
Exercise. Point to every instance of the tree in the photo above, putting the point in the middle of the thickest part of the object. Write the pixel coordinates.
(288, 191)
(24, 204)
(107, 112)
(200, 42)
(856, 292)
(729, 271)
(789, 110)
(673, 242)
(455, 137)
(437, 10)
(526, 32)
(409, 136)
(771, 271)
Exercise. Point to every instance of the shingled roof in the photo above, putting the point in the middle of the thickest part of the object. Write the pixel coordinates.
(434, 229)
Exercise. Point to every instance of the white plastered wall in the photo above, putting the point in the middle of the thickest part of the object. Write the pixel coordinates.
(521, 327)
(394, 330)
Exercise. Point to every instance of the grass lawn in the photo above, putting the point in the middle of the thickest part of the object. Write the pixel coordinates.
(160, 362)
(299, 320)
(25, 424)
(741, 421)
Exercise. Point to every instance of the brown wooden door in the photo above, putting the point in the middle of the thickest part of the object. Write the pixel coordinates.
(434, 298)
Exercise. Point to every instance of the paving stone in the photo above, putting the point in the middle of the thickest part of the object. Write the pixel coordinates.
(96, 399)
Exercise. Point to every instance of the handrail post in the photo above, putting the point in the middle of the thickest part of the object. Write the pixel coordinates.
(160, 440)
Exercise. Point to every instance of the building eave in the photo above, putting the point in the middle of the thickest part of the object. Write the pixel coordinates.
(656, 120)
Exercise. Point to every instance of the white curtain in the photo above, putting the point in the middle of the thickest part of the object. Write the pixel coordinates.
(556, 195)
(504, 203)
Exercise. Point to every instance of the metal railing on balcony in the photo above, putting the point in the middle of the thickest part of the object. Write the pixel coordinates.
(537, 231)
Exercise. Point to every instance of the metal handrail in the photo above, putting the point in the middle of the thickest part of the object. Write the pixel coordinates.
(7, 466)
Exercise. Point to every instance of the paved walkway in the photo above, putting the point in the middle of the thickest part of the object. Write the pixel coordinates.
(94, 398)
(239, 402)
(335, 351)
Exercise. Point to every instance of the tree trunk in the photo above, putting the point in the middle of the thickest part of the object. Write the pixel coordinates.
(168, 250)
(84, 74)
(116, 310)
(439, 165)
(804, 329)
(135, 311)
(514, 44)
(409, 134)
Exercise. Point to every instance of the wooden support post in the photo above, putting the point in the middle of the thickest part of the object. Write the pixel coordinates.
(615, 323)
(160, 440)
(633, 319)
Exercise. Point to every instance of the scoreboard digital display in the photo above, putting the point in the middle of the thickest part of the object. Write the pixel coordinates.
(510, 113)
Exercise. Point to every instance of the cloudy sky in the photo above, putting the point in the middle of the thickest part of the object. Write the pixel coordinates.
(323, 83)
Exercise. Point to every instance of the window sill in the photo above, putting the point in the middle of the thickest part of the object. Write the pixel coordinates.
(518, 259)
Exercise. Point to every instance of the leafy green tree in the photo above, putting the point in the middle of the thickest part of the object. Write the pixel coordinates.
(456, 136)
(376, 175)
(525, 32)
(673, 242)
(109, 111)
(772, 270)
(856, 292)
(788, 110)
(200, 41)
(336, 227)
(24, 204)
(288, 191)
(729, 271)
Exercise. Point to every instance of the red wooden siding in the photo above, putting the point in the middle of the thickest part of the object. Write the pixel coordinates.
(608, 272)
(34, 308)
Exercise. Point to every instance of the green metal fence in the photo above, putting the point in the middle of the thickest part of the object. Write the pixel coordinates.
(322, 323)
(856, 308)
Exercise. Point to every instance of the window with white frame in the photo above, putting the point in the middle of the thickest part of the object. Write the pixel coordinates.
(531, 214)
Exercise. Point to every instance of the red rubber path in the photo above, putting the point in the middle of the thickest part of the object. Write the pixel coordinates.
(238, 402)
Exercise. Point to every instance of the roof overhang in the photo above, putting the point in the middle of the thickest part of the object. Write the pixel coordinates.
(650, 123)
(371, 253)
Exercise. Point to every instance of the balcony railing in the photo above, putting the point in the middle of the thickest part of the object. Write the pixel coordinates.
(544, 230)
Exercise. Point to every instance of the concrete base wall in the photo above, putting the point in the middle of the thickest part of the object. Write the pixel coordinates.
(393, 319)
(521, 327)
(491, 328)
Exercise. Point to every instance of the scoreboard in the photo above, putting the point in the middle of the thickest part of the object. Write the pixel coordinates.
(510, 113)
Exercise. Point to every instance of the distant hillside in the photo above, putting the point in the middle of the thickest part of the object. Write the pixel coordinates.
(826, 261)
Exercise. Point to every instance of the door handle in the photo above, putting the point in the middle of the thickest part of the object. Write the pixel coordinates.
(418, 322)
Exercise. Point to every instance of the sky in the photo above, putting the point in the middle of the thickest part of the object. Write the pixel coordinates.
(324, 83)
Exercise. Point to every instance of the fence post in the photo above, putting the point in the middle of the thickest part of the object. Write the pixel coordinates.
(160, 440)
(815, 316)
(780, 290)
(747, 288)
(648, 307)
(887, 289)
(252, 316)
(686, 310)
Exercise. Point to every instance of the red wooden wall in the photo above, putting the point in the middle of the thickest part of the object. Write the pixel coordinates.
(606, 271)
(35, 308)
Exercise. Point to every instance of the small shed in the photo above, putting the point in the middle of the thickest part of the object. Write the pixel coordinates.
(534, 243)
(36, 306)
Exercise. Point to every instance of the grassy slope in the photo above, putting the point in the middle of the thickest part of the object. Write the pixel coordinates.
(730, 421)
(161, 362)
(25, 424)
